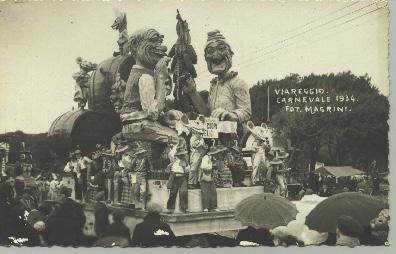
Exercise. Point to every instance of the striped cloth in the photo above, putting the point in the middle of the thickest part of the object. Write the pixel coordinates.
(126, 196)
(92, 190)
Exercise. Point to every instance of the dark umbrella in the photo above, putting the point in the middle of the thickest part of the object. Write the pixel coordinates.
(323, 218)
(265, 210)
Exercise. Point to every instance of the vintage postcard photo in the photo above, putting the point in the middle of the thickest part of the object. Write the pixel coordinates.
(194, 123)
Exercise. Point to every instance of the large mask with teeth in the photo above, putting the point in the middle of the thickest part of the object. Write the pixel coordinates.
(218, 54)
(146, 48)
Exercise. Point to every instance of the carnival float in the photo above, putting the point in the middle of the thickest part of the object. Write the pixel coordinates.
(142, 104)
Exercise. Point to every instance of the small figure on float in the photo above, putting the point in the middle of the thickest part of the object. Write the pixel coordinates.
(206, 179)
(260, 147)
(120, 24)
(237, 165)
(198, 149)
(184, 58)
(140, 166)
(281, 174)
(178, 181)
(278, 171)
(82, 77)
(222, 173)
(117, 93)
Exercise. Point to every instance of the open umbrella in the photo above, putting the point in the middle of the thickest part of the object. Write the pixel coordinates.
(265, 210)
(323, 218)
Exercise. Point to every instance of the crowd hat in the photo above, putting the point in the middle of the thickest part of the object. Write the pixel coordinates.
(215, 150)
(222, 148)
(121, 148)
(276, 161)
(140, 151)
(235, 147)
(283, 155)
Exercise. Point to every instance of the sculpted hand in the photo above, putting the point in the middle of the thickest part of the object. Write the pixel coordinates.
(223, 114)
(188, 84)
(161, 68)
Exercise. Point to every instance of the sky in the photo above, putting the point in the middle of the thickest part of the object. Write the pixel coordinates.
(40, 40)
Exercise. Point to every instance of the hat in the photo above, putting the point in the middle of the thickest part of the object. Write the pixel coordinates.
(216, 36)
(283, 155)
(276, 161)
(34, 216)
(349, 226)
(181, 151)
(108, 153)
(121, 148)
(222, 148)
(235, 148)
(153, 207)
(214, 150)
(78, 151)
(118, 215)
(256, 132)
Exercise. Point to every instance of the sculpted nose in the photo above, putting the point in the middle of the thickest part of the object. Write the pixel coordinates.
(163, 48)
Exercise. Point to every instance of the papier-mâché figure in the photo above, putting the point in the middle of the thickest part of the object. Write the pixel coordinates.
(82, 78)
(120, 24)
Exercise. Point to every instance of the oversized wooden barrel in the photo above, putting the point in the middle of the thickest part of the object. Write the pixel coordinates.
(85, 128)
(103, 78)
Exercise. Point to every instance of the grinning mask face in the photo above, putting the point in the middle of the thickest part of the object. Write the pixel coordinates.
(146, 47)
(218, 56)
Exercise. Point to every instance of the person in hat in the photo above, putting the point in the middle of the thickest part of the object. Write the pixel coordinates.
(71, 165)
(123, 182)
(136, 167)
(237, 165)
(348, 231)
(281, 172)
(140, 166)
(260, 147)
(222, 173)
(208, 187)
(178, 181)
(54, 187)
(198, 149)
(276, 171)
(83, 163)
(118, 227)
(153, 232)
(101, 214)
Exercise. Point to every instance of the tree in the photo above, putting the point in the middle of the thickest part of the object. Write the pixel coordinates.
(354, 137)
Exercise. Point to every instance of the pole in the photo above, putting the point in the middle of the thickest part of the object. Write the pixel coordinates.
(268, 114)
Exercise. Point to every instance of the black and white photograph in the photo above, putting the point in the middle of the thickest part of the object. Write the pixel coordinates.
(205, 123)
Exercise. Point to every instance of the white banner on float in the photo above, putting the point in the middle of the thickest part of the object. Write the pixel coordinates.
(211, 127)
